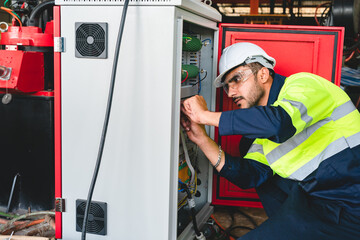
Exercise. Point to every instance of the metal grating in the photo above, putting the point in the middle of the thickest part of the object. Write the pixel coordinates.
(91, 40)
(97, 217)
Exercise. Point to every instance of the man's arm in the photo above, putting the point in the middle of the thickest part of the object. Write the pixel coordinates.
(245, 173)
(269, 122)
(197, 134)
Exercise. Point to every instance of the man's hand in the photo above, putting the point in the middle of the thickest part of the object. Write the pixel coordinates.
(195, 132)
(196, 110)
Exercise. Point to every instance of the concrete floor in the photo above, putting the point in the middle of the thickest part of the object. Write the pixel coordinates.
(236, 216)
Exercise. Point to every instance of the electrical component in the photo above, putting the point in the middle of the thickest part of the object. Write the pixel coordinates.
(191, 43)
(192, 71)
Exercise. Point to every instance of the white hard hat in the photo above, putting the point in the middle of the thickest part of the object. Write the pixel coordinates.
(242, 53)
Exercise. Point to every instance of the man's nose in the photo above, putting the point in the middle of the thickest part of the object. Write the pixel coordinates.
(232, 92)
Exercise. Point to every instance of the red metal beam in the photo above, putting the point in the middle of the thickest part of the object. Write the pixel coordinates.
(254, 6)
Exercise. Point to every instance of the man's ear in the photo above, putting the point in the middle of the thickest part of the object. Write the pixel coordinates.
(263, 75)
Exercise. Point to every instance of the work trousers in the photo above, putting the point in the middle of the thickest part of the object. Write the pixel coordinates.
(294, 215)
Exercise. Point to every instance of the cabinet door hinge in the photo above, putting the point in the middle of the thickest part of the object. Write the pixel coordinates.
(59, 205)
(59, 44)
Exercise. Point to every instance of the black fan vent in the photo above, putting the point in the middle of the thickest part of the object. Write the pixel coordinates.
(91, 40)
(96, 218)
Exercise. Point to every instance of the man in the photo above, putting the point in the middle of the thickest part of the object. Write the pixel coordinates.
(305, 159)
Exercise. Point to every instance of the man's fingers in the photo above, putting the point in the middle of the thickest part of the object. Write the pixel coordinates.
(185, 123)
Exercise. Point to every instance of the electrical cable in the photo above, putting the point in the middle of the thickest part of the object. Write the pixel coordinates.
(38, 9)
(187, 75)
(317, 7)
(106, 120)
(355, 46)
(229, 229)
(187, 158)
(202, 78)
(191, 203)
(323, 17)
(221, 227)
(350, 56)
(8, 10)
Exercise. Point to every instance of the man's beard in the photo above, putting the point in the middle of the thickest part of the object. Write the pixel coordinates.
(256, 93)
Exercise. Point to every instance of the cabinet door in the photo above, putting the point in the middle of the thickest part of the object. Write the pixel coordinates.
(296, 49)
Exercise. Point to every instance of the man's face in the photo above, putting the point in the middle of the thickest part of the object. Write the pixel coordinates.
(242, 86)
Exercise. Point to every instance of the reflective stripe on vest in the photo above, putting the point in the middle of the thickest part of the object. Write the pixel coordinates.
(333, 148)
(303, 111)
(256, 148)
(256, 152)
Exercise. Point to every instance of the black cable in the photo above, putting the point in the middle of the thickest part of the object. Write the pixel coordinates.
(196, 228)
(106, 120)
(38, 9)
(351, 48)
(200, 80)
(192, 209)
(232, 227)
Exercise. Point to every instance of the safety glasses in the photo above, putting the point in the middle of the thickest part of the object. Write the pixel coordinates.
(240, 77)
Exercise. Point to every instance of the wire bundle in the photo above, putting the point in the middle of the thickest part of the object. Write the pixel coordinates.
(12, 13)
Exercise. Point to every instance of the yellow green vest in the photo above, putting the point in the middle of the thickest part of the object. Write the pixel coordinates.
(326, 123)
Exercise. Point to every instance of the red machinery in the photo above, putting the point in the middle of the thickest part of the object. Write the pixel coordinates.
(27, 90)
(23, 60)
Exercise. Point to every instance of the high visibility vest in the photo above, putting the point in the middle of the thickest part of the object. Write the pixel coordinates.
(326, 123)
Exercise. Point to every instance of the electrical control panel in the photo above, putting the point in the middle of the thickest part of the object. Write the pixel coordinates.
(144, 154)
(194, 173)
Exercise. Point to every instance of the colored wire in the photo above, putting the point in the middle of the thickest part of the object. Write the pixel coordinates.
(7, 215)
(5, 3)
(187, 75)
(202, 78)
(220, 226)
(8, 10)
(350, 57)
(205, 41)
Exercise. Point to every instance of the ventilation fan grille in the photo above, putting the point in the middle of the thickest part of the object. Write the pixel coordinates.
(91, 40)
(96, 219)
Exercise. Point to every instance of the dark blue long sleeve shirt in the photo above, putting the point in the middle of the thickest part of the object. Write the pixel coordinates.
(256, 122)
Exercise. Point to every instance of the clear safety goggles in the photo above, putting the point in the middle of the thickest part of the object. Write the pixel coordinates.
(240, 77)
